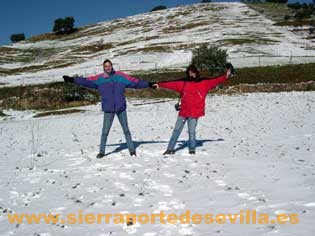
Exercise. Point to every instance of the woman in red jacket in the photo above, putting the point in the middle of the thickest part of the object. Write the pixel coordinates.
(193, 91)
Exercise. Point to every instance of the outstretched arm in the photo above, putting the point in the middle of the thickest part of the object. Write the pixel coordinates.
(210, 83)
(85, 82)
(132, 82)
(172, 85)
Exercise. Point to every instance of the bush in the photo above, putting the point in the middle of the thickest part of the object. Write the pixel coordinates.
(71, 92)
(210, 58)
(302, 14)
(286, 17)
(64, 26)
(160, 7)
(1, 113)
(295, 6)
(17, 37)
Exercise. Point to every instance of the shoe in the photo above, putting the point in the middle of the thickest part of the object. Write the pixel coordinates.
(133, 154)
(169, 152)
(192, 152)
(229, 66)
(100, 155)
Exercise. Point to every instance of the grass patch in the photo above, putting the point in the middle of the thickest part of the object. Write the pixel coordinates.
(56, 96)
(189, 46)
(275, 74)
(93, 47)
(46, 36)
(9, 50)
(240, 41)
(273, 11)
(235, 41)
(295, 23)
(179, 28)
(2, 114)
(210, 7)
(26, 55)
(157, 48)
(35, 68)
(64, 112)
(50, 96)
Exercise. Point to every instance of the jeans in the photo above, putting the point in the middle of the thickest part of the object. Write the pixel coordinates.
(192, 123)
(107, 124)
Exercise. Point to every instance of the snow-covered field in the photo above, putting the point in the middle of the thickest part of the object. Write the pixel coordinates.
(255, 152)
(159, 40)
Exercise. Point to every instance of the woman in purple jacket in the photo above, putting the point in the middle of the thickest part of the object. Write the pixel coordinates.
(111, 86)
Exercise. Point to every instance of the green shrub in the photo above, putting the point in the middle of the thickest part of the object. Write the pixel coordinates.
(64, 26)
(160, 7)
(286, 17)
(17, 37)
(210, 58)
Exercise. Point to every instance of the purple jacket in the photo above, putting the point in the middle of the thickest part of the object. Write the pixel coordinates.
(111, 87)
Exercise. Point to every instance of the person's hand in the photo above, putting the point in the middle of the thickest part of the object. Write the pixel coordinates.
(68, 79)
(153, 85)
(230, 71)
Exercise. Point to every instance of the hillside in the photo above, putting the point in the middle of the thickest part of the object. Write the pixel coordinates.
(156, 40)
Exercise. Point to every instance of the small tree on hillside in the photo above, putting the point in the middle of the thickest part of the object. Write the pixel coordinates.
(64, 26)
(68, 24)
(17, 37)
(58, 26)
(160, 7)
(312, 28)
(294, 6)
(210, 58)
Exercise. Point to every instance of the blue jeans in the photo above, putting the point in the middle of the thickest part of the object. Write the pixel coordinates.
(192, 123)
(107, 124)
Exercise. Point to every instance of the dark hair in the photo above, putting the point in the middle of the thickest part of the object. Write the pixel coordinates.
(194, 69)
(108, 62)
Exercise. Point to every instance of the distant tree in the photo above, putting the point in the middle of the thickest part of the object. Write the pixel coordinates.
(17, 37)
(68, 24)
(294, 6)
(304, 5)
(302, 14)
(160, 7)
(312, 28)
(58, 26)
(205, 1)
(64, 26)
(210, 58)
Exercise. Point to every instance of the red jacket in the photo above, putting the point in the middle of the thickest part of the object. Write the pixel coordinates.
(193, 94)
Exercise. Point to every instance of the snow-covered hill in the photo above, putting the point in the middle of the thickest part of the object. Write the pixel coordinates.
(156, 40)
(255, 152)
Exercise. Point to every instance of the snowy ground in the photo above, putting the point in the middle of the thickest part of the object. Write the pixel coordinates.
(255, 151)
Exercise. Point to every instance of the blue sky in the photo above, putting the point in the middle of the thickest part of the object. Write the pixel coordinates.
(34, 17)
